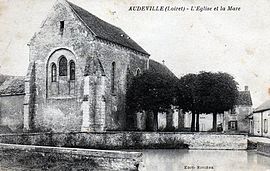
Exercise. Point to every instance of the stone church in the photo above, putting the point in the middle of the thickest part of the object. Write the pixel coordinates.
(79, 70)
(78, 73)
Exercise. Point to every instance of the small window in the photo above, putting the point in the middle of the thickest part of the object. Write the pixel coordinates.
(257, 125)
(62, 25)
(53, 72)
(63, 66)
(72, 70)
(233, 111)
(138, 72)
(232, 125)
(265, 124)
(113, 78)
(251, 126)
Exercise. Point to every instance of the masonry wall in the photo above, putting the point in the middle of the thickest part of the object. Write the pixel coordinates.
(126, 62)
(61, 113)
(11, 112)
(54, 158)
(242, 118)
(263, 148)
(128, 140)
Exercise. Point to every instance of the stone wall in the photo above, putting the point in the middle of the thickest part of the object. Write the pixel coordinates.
(242, 118)
(29, 106)
(55, 112)
(55, 158)
(129, 140)
(263, 148)
(126, 63)
(240, 115)
(64, 112)
(11, 112)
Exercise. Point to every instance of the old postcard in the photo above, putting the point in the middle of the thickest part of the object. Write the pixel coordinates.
(134, 85)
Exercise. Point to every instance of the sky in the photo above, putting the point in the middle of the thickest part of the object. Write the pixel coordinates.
(236, 42)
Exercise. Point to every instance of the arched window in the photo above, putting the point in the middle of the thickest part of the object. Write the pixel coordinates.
(53, 72)
(72, 70)
(138, 72)
(63, 66)
(113, 77)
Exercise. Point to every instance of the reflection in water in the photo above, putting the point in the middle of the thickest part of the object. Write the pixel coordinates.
(153, 160)
(201, 160)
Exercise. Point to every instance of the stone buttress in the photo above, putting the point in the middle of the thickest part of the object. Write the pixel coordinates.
(94, 102)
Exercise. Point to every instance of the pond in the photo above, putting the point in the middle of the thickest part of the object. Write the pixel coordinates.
(201, 160)
(153, 160)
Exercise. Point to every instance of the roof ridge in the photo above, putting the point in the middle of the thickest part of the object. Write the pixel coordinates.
(244, 98)
(79, 16)
(12, 85)
(91, 14)
(161, 68)
(104, 30)
(263, 107)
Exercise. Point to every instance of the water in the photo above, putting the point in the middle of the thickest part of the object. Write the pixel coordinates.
(202, 160)
(153, 160)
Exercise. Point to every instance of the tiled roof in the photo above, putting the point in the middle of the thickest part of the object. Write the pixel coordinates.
(3, 78)
(263, 107)
(106, 31)
(157, 67)
(11, 85)
(244, 98)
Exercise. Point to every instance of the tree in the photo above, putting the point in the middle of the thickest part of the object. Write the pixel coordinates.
(206, 92)
(151, 92)
(217, 93)
(186, 97)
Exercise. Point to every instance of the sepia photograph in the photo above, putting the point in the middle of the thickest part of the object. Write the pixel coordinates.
(148, 85)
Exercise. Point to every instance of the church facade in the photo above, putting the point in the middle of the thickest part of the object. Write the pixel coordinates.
(79, 69)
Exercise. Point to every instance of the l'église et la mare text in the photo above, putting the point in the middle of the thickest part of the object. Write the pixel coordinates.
(216, 8)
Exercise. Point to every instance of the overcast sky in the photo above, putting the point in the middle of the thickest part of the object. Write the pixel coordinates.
(189, 42)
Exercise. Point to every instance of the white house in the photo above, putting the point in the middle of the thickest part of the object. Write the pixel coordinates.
(259, 123)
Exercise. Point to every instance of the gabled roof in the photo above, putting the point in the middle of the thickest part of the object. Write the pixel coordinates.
(157, 67)
(244, 98)
(263, 107)
(11, 85)
(106, 31)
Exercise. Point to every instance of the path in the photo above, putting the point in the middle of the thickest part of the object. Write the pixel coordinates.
(259, 139)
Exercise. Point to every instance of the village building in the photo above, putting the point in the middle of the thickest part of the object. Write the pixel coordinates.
(79, 68)
(238, 119)
(235, 120)
(11, 103)
(259, 120)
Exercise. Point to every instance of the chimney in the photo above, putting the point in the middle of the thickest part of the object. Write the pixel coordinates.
(246, 88)
(163, 62)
